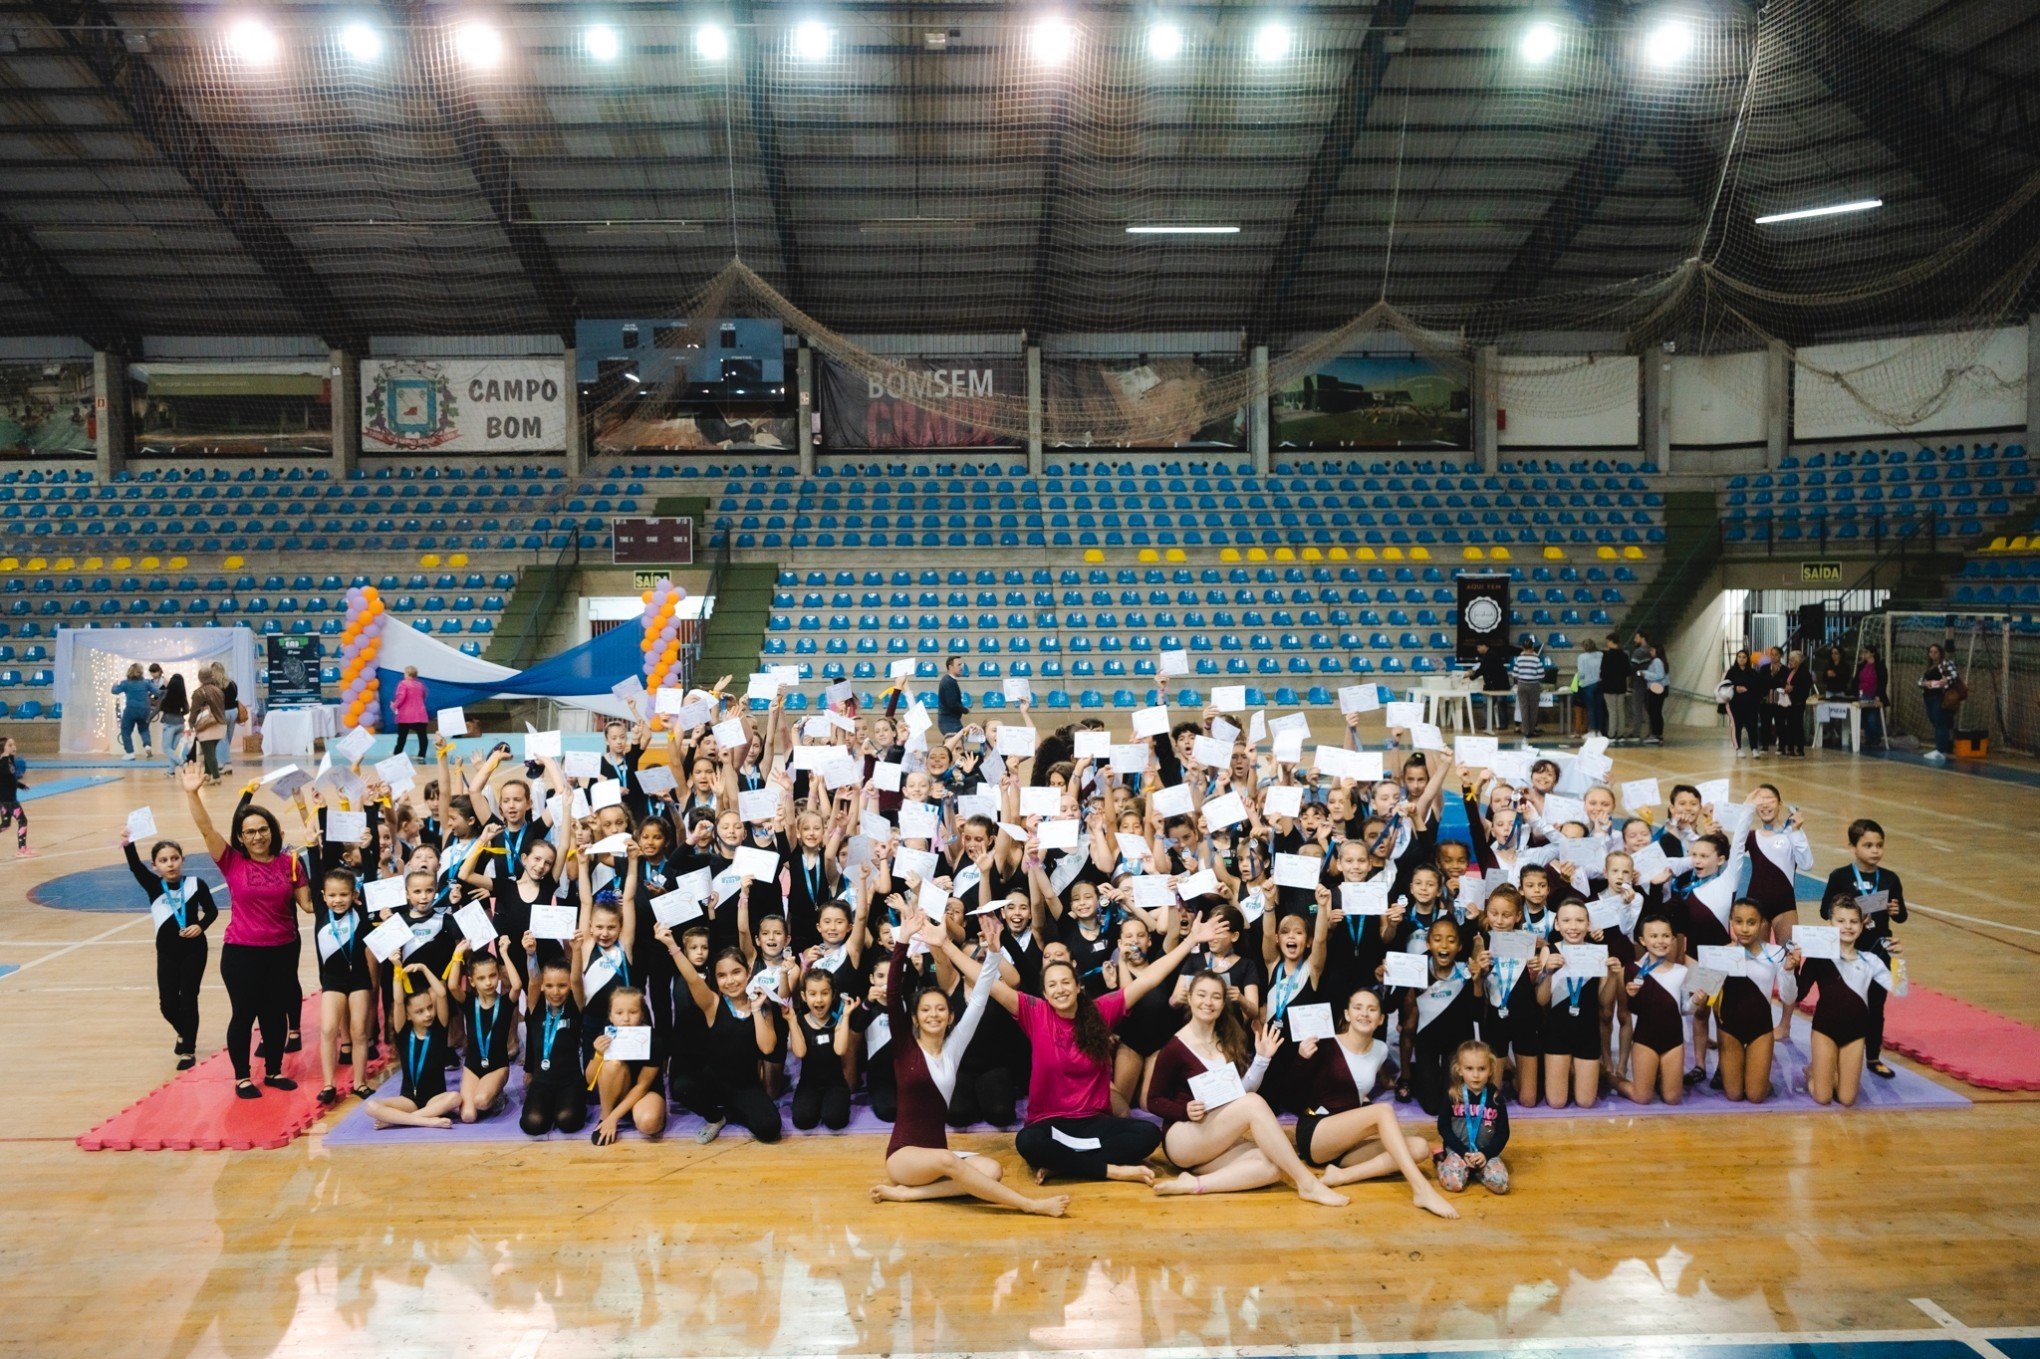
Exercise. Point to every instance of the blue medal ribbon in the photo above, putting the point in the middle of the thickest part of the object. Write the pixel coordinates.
(176, 900)
(416, 1050)
(1475, 1119)
(1573, 987)
(484, 1030)
(550, 1024)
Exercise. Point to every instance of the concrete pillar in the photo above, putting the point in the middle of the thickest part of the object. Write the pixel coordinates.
(577, 430)
(804, 433)
(344, 371)
(2032, 379)
(1657, 408)
(1035, 459)
(110, 415)
(1777, 403)
(1483, 409)
(1257, 413)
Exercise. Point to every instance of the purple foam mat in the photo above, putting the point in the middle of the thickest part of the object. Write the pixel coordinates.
(1906, 1091)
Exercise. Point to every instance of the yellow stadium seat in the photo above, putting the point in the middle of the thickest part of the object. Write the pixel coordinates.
(1175, 554)
(1420, 553)
(1257, 554)
(1498, 554)
(1285, 554)
(64, 564)
(457, 559)
(1472, 554)
(93, 563)
(2021, 544)
(1632, 554)
(38, 564)
(10, 563)
(1231, 554)
(1605, 553)
(1092, 554)
(429, 559)
(1391, 554)
(1148, 556)
(1339, 554)
(151, 563)
(1997, 544)
(1311, 554)
(122, 563)
(179, 563)
(234, 563)
(1363, 554)
(1554, 554)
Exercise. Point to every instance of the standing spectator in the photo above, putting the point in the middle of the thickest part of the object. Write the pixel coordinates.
(1615, 676)
(1639, 657)
(1491, 668)
(1742, 688)
(950, 704)
(1655, 678)
(410, 708)
(1528, 671)
(1587, 683)
(173, 707)
(208, 719)
(1873, 691)
(134, 694)
(236, 714)
(1795, 687)
(1772, 715)
(1943, 691)
(1836, 680)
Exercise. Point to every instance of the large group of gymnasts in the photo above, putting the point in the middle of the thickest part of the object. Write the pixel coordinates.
(1208, 921)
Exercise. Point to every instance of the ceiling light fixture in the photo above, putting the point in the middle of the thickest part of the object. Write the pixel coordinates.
(1801, 214)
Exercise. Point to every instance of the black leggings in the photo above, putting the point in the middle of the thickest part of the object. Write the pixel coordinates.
(1654, 703)
(180, 971)
(11, 811)
(828, 1104)
(1121, 1142)
(747, 1105)
(260, 983)
(405, 730)
(988, 1096)
(884, 1095)
(553, 1104)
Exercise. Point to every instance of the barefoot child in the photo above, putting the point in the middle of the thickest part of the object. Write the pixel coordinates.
(1841, 1014)
(183, 910)
(1747, 1020)
(1657, 999)
(634, 1086)
(1343, 1130)
(423, 1100)
(554, 1093)
(346, 985)
(487, 993)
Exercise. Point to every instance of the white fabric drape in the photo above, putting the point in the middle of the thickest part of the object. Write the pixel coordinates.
(90, 661)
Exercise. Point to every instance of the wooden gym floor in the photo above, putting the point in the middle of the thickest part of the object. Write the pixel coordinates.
(1677, 1231)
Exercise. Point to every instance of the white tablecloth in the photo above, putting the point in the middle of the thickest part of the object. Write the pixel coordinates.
(291, 731)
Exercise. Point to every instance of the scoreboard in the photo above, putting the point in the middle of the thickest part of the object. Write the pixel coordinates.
(642, 541)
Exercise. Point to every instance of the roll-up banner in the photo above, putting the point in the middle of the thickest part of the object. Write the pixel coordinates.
(925, 403)
(463, 405)
(1483, 613)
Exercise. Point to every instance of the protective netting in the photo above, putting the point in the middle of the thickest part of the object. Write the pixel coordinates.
(1404, 179)
(1997, 656)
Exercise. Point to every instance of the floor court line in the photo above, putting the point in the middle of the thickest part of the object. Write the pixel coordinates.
(1967, 1335)
(73, 948)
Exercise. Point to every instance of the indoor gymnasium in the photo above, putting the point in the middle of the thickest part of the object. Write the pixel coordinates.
(911, 678)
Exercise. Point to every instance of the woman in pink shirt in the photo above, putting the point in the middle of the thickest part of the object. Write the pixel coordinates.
(1070, 1128)
(259, 956)
(410, 710)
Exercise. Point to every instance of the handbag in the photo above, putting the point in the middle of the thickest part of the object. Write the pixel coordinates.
(241, 713)
(1954, 695)
(1724, 692)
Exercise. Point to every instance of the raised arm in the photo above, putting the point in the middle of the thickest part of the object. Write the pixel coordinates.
(704, 995)
(936, 937)
(194, 779)
(1153, 974)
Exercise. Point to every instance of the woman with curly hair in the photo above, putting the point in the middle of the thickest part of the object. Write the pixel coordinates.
(1070, 1129)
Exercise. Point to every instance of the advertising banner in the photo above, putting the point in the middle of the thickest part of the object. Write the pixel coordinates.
(718, 429)
(234, 409)
(1372, 401)
(1157, 404)
(463, 405)
(935, 403)
(1483, 614)
(46, 409)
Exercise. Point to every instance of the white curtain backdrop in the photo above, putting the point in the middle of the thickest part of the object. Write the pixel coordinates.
(90, 661)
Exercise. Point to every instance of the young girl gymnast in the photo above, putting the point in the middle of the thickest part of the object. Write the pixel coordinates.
(183, 910)
(1474, 1124)
(346, 979)
(1841, 1013)
(486, 991)
(1746, 1021)
(925, 1051)
(1573, 1010)
(742, 1032)
(1878, 891)
(820, 1037)
(631, 1085)
(1657, 998)
(423, 1051)
(555, 1096)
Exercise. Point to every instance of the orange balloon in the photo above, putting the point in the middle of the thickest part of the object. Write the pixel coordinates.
(370, 592)
(646, 644)
(645, 597)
